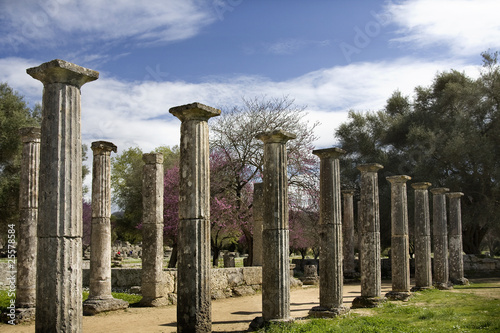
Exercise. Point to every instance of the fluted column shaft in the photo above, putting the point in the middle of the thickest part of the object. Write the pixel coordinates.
(330, 221)
(193, 267)
(370, 238)
(275, 233)
(152, 231)
(348, 232)
(28, 209)
(59, 254)
(423, 265)
(440, 235)
(400, 257)
(455, 242)
(258, 215)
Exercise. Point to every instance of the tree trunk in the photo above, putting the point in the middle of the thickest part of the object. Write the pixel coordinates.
(472, 236)
(215, 260)
(173, 257)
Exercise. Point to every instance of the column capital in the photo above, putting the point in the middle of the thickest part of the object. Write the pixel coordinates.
(100, 147)
(30, 134)
(348, 191)
(421, 185)
(153, 158)
(276, 136)
(398, 179)
(194, 111)
(329, 152)
(454, 195)
(370, 167)
(439, 190)
(60, 71)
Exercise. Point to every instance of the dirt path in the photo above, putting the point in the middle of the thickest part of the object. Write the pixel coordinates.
(228, 315)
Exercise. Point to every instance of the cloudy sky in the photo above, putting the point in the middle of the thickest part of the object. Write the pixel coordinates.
(331, 56)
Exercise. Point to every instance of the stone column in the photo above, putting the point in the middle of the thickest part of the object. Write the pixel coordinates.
(258, 215)
(440, 235)
(330, 257)
(275, 233)
(28, 210)
(348, 234)
(423, 266)
(100, 299)
(400, 245)
(370, 239)
(455, 243)
(194, 308)
(152, 284)
(59, 253)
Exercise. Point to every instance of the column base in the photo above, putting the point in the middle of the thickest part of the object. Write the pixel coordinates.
(398, 295)
(94, 306)
(322, 312)
(460, 282)
(443, 285)
(415, 288)
(367, 302)
(21, 315)
(154, 302)
(258, 322)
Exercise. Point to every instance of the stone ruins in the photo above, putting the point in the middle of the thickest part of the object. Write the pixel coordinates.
(49, 272)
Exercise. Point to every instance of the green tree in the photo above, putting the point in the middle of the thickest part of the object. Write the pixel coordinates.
(447, 135)
(14, 114)
(126, 182)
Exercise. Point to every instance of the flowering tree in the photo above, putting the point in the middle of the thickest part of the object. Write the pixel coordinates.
(87, 221)
(171, 211)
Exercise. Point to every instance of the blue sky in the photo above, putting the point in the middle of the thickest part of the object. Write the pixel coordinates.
(330, 56)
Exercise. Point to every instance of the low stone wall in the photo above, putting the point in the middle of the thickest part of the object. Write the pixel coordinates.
(226, 282)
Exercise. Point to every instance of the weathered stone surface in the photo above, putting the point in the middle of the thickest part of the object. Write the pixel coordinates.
(348, 233)
(330, 221)
(193, 284)
(400, 248)
(455, 242)
(153, 288)
(27, 240)
(59, 290)
(258, 215)
(370, 238)
(100, 298)
(275, 234)
(423, 268)
(440, 235)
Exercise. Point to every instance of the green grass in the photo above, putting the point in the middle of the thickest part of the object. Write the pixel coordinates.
(130, 298)
(427, 311)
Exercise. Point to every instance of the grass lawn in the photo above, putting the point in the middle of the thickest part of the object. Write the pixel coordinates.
(474, 308)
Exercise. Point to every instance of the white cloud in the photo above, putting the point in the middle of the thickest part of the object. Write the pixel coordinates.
(47, 23)
(466, 27)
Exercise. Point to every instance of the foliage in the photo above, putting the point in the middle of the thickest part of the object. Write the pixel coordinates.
(14, 114)
(431, 310)
(233, 135)
(448, 134)
(126, 182)
(87, 222)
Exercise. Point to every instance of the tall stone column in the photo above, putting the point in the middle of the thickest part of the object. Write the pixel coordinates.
(440, 235)
(258, 215)
(59, 253)
(194, 308)
(400, 245)
(100, 299)
(152, 286)
(331, 277)
(28, 210)
(370, 239)
(455, 243)
(275, 233)
(423, 266)
(348, 233)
